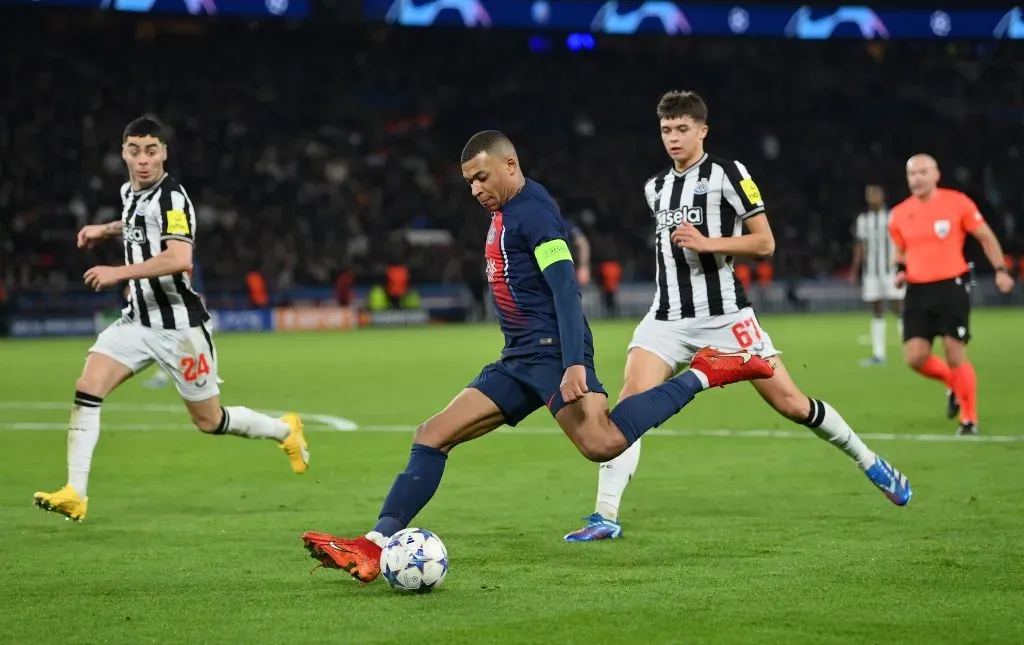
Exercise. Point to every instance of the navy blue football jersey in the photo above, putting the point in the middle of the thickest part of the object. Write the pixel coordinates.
(523, 300)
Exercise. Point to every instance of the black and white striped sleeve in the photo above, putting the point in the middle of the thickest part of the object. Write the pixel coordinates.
(739, 189)
(860, 231)
(177, 217)
(652, 192)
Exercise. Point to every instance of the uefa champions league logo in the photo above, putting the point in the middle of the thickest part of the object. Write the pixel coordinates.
(1012, 25)
(611, 20)
(803, 25)
(405, 12)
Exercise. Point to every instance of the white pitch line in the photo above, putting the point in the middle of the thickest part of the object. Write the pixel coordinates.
(334, 423)
(741, 434)
(329, 422)
(753, 434)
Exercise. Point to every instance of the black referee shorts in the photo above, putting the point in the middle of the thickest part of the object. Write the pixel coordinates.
(941, 308)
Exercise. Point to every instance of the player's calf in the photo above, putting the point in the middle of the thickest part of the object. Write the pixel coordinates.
(601, 436)
(209, 417)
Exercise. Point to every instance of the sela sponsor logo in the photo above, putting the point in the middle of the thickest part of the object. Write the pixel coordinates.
(672, 218)
(135, 234)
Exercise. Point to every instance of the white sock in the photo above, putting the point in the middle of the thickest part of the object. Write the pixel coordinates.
(244, 422)
(83, 433)
(825, 422)
(612, 479)
(377, 538)
(878, 337)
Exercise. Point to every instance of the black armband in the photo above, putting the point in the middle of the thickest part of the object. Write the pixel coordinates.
(901, 267)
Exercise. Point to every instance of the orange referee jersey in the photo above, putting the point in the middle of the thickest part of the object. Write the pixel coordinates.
(931, 233)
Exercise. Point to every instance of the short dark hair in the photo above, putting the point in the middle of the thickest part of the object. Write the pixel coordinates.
(676, 104)
(485, 141)
(146, 126)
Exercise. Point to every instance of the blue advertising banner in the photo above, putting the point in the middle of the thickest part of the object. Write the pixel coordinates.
(230, 320)
(248, 8)
(25, 327)
(682, 19)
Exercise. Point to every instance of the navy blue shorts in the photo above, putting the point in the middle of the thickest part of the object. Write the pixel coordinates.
(519, 385)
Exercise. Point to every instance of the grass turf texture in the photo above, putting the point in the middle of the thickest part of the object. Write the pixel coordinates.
(746, 539)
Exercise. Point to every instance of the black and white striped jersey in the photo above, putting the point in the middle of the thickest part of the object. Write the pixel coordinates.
(715, 195)
(151, 217)
(872, 230)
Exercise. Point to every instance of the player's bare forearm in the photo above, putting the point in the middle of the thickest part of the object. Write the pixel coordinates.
(113, 229)
(858, 257)
(177, 258)
(749, 245)
(582, 245)
(758, 242)
(990, 245)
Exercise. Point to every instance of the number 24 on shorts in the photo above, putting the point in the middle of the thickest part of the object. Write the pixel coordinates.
(742, 330)
(194, 368)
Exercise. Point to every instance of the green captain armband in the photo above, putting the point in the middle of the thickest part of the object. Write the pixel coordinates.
(550, 252)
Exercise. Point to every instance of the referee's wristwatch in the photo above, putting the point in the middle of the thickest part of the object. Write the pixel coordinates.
(1002, 270)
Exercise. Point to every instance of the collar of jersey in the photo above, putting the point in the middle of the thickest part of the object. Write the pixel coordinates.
(155, 184)
(692, 167)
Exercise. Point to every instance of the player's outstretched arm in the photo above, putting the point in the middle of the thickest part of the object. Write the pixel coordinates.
(89, 235)
(177, 258)
(994, 253)
(758, 242)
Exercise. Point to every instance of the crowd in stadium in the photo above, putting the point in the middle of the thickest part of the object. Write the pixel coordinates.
(303, 156)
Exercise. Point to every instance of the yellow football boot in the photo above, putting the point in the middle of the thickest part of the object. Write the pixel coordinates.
(66, 501)
(295, 444)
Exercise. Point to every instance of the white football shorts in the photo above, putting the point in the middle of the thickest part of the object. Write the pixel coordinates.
(187, 355)
(676, 341)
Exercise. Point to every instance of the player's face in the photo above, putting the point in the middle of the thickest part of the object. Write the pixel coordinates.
(491, 179)
(145, 157)
(683, 137)
(874, 196)
(922, 176)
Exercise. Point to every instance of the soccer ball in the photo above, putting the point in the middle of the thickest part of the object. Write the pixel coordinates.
(414, 560)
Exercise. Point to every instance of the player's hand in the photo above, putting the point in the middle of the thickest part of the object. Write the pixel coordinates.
(686, 236)
(583, 276)
(574, 383)
(901, 279)
(99, 277)
(854, 278)
(90, 235)
(1004, 282)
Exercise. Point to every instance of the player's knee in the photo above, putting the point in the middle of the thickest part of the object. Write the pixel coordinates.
(205, 421)
(428, 434)
(604, 446)
(916, 359)
(89, 384)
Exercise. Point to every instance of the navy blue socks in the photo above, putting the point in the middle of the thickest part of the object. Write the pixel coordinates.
(637, 414)
(412, 489)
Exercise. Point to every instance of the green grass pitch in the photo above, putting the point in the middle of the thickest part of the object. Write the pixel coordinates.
(746, 538)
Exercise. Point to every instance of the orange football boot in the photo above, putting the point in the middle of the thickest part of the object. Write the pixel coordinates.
(722, 368)
(360, 557)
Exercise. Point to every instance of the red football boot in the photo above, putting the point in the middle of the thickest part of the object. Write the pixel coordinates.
(360, 557)
(722, 368)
